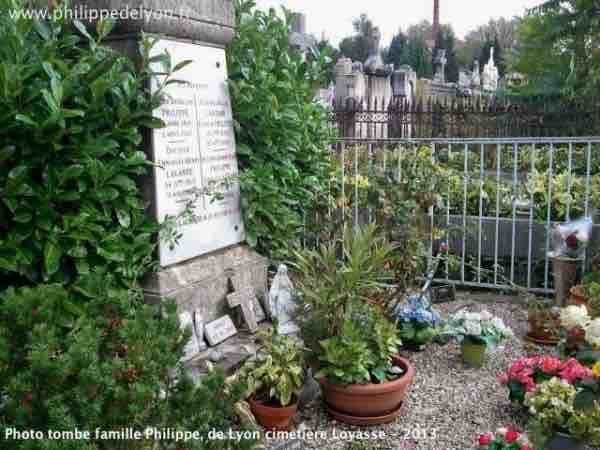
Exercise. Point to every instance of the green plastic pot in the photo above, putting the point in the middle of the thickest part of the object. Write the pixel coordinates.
(473, 353)
(561, 441)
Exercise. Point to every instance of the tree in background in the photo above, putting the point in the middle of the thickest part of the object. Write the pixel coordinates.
(357, 47)
(333, 55)
(506, 31)
(396, 53)
(560, 49)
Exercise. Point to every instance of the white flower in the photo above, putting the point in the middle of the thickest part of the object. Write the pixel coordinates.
(502, 431)
(473, 328)
(460, 315)
(472, 317)
(501, 328)
(592, 333)
(574, 316)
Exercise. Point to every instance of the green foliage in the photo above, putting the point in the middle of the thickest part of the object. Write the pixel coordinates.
(446, 40)
(276, 374)
(282, 135)
(94, 358)
(70, 149)
(348, 336)
(559, 49)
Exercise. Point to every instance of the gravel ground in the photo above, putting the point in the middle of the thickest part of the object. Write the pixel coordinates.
(448, 404)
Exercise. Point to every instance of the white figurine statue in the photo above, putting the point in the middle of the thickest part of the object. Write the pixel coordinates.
(282, 306)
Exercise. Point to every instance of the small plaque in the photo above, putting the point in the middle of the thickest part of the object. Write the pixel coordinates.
(219, 330)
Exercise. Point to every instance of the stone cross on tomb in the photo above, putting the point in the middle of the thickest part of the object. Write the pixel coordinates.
(244, 299)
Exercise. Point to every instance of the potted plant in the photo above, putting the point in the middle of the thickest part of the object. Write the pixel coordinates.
(274, 380)
(503, 439)
(525, 374)
(417, 321)
(352, 345)
(543, 321)
(558, 424)
(476, 332)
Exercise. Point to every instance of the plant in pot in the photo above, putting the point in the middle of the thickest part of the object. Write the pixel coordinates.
(274, 380)
(352, 345)
(476, 332)
(574, 320)
(417, 321)
(525, 374)
(503, 439)
(544, 323)
(558, 424)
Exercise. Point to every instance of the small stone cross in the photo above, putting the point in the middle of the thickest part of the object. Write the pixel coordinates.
(245, 300)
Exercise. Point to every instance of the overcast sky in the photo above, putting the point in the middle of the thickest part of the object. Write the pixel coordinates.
(334, 17)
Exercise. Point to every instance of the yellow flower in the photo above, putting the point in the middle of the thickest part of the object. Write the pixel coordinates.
(596, 370)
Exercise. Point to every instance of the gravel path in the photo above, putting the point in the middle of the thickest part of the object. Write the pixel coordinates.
(448, 405)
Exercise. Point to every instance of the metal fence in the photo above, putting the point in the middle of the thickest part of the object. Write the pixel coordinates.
(464, 118)
(497, 204)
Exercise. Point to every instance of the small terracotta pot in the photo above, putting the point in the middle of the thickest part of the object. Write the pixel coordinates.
(273, 418)
(369, 400)
(577, 296)
(473, 354)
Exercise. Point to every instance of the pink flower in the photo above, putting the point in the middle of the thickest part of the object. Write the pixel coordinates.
(573, 371)
(526, 447)
(503, 378)
(512, 436)
(444, 247)
(550, 365)
(485, 439)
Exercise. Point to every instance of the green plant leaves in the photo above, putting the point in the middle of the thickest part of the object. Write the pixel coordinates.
(52, 254)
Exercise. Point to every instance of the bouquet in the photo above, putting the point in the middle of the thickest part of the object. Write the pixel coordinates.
(417, 321)
(571, 239)
(525, 374)
(477, 328)
(503, 439)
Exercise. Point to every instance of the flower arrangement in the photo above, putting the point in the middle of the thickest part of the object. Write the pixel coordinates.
(417, 321)
(503, 439)
(574, 316)
(571, 239)
(477, 328)
(552, 404)
(525, 374)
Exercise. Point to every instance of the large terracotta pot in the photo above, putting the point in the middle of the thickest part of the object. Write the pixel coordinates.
(369, 400)
(578, 296)
(273, 418)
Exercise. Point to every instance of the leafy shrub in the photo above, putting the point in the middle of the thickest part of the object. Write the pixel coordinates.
(282, 134)
(70, 153)
(92, 358)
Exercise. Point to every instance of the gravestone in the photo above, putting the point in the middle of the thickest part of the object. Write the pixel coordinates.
(193, 154)
(219, 330)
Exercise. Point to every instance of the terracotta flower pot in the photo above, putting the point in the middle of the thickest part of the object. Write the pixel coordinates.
(473, 354)
(369, 400)
(271, 417)
(578, 296)
(562, 441)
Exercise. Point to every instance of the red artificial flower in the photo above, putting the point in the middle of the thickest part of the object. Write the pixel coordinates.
(485, 439)
(572, 241)
(512, 436)
(526, 447)
(444, 247)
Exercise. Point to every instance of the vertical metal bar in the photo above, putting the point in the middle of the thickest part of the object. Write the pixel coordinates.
(531, 200)
(431, 210)
(514, 210)
(549, 215)
(343, 162)
(481, 181)
(448, 210)
(588, 177)
(569, 182)
(399, 149)
(464, 242)
(356, 188)
(497, 237)
(370, 159)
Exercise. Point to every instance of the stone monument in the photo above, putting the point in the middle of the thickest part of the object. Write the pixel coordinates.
(194, 156)
(440, 66)
(490, 74)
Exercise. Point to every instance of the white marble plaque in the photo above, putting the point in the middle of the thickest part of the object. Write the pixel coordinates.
(219, 330)
(196, 152)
